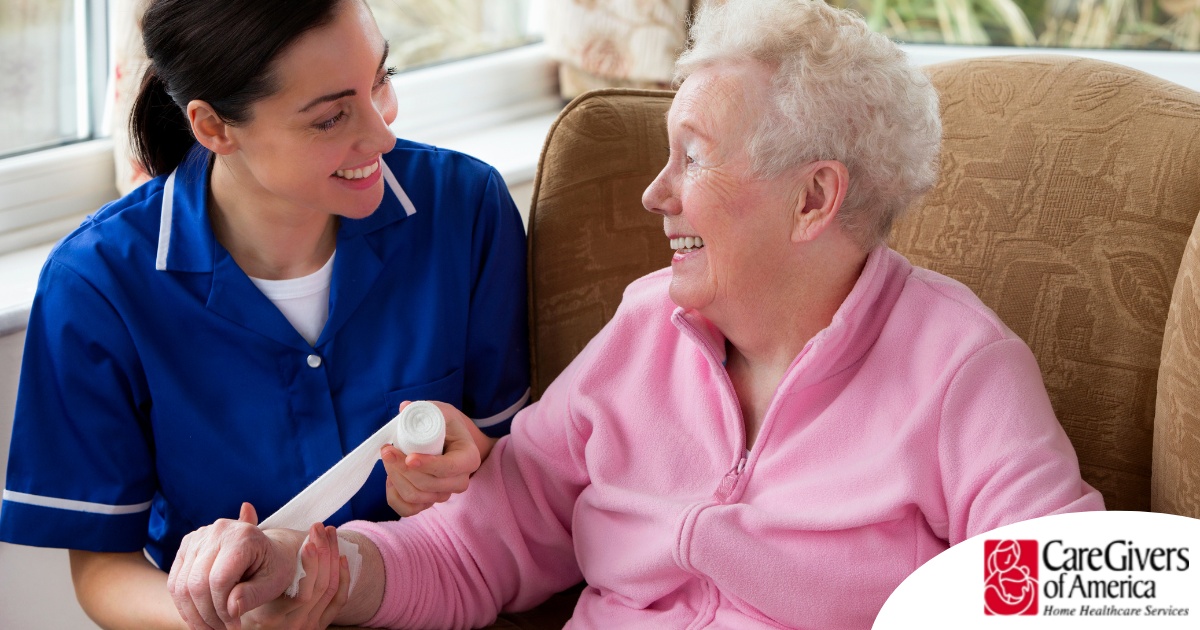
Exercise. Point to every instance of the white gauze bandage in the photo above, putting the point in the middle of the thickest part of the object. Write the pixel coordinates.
(420, 428)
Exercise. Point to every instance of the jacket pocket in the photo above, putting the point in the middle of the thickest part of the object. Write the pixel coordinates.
(447, 389)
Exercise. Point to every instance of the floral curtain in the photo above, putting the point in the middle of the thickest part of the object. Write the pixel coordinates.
(130, 63)
(615, 43)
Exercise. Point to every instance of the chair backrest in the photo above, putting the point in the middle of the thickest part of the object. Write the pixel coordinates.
(1068, 190)
(589, 235)
(1175, 484)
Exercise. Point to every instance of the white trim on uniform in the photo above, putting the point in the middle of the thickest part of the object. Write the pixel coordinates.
(503, 415)
(392, 183)
(164, 223)
(75, 506)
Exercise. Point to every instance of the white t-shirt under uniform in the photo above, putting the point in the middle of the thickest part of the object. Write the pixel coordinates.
(303, 301)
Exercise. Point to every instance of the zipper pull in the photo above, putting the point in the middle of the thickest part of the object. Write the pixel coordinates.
(730, 480)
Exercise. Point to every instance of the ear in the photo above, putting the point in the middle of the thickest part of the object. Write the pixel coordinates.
(210, 130)
(823, 188)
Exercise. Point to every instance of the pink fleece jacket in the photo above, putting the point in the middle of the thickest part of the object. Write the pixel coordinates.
(914, 421)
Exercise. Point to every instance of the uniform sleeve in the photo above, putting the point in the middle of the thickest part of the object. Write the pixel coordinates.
(496, 378)
(80, 470)
(1004, 456)
(504, 544)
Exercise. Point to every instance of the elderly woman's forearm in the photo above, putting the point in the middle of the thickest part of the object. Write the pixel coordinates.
(123, 590)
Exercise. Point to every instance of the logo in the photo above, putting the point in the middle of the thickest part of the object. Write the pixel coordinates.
(1010, 577)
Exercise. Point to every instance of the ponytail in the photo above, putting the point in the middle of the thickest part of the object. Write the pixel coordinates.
(160, 135)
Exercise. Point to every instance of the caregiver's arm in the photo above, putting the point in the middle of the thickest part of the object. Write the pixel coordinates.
(123, 590)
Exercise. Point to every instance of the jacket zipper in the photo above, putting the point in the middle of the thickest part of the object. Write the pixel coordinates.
(729, 482)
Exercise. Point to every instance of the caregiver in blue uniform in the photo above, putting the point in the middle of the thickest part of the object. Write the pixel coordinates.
(228, 331)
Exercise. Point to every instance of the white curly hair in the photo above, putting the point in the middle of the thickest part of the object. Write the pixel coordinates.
(839, 92)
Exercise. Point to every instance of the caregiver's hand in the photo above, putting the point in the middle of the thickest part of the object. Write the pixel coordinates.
(226, 569)
(415, 481)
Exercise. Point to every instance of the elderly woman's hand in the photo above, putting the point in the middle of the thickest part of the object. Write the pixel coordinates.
(415, 482)
(232, 568)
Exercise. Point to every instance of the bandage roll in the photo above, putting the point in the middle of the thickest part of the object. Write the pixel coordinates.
(420, 428)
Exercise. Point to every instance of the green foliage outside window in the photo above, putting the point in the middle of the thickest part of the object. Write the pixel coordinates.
(1142, 24)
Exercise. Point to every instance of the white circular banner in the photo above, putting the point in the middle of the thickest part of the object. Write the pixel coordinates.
(1082, 570)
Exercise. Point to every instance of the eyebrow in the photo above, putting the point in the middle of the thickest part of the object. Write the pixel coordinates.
(692, 126)
(344, 93)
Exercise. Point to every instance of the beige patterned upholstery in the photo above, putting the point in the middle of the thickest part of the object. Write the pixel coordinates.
(1176, 479)
(1069, 188)
(588, 234)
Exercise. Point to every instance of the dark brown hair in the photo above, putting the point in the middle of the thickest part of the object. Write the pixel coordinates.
(218, 51)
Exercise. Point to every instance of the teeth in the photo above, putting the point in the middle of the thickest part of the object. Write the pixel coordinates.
(687, 243)
(358, 173)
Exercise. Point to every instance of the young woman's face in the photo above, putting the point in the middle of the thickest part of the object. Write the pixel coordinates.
(316, 143)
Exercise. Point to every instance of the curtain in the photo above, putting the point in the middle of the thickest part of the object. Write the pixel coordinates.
(615, 43)
(129, 63)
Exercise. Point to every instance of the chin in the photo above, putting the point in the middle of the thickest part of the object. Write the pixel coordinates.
(686, 295)
(363, 205)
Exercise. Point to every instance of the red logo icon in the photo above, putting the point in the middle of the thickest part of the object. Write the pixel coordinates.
(1010, 577)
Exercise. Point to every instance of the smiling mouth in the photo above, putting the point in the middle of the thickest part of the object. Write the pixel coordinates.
(687, 244)
(358, 173)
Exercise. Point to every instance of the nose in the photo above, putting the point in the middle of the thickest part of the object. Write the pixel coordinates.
(376, 136)
(660, 196)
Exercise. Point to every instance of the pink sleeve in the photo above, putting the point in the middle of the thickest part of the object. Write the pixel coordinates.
(1004, 455)
(505, 543)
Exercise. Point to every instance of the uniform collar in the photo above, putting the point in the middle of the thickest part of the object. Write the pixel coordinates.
(854, 328)
(185, 237)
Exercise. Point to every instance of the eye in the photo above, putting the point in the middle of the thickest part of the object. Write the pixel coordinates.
(690, 159)
(330, 123)
(387, 74)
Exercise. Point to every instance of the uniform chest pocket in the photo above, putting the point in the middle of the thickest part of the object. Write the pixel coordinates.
(447, 389)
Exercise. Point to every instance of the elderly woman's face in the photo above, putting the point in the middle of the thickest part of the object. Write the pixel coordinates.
(729, 228)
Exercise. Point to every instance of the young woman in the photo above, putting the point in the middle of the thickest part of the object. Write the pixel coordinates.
(227, 332)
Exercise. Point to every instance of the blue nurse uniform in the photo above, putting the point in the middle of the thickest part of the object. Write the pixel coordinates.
(160, 388)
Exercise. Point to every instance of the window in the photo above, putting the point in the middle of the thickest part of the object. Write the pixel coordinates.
(1093, 24)
(56, 165)
(423, 32)
(53, 62)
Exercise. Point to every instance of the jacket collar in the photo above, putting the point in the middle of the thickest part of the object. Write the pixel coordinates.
(185, 238)
(854, 328)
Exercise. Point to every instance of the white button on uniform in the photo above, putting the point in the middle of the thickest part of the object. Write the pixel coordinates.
(314, 361)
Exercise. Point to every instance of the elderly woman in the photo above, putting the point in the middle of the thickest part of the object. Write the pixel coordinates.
(774, 431)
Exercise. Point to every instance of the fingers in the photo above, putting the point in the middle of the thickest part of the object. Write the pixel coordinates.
(210, 562)
(426, 473)
(177, 581)
(333, 572)
(324, 577)
(402, 507)
(248, 514)
(340, 597)
(271, 575)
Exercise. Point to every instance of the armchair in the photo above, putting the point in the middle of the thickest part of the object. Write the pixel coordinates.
(1068, 192)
